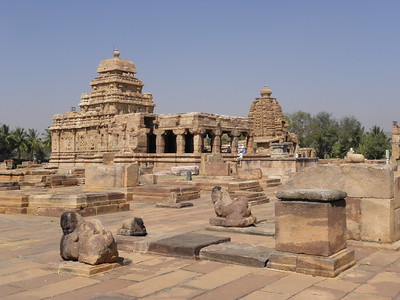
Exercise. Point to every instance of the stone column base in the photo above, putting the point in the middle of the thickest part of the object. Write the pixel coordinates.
(326, 266)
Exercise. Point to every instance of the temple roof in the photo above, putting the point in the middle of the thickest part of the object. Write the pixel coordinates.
(116, 64)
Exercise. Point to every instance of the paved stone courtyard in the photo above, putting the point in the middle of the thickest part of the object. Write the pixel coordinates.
(28, 242)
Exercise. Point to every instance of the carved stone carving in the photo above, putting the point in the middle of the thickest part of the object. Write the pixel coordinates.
(133, 227)
(230, 213)
(86, 242)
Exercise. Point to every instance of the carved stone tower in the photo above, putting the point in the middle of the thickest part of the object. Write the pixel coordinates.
(269, 123)
(116, 91)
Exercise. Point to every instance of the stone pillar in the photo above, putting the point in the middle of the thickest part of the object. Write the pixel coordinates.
(216, 144)
(198, 140)
(160, 141)
(250, 144)
(235, 141)
(311, 232)
(180, 141)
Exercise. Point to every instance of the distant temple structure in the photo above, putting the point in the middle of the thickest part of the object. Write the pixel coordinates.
(116, 122)
(269, 123)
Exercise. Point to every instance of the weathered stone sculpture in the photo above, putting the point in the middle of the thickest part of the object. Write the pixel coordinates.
(133, 227)
(86, 242)
(230, 213)
(352, 157)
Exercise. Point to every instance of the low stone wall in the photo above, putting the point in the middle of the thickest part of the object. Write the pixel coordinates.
(283, 168)
(373, 197)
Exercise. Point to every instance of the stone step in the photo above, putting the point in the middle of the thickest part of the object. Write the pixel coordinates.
(253, 197)
(237, 253)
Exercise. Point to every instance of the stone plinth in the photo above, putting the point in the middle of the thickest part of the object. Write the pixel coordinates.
(373, 197)
(311, 225)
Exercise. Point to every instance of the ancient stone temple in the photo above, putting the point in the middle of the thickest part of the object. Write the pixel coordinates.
(269, 123)
(116, 123)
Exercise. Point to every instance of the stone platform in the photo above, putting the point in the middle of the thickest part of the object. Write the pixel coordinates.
(82, 269)
(86, 204)
(327, 266)
(185, 245)
(165, 193)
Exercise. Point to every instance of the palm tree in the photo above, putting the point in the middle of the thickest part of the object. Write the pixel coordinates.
(6, 142)
(20, 141)
(34, 143)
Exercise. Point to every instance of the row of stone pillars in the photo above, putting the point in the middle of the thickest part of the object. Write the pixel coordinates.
(183, 141)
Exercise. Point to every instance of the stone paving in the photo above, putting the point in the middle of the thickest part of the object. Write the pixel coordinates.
(28, 242)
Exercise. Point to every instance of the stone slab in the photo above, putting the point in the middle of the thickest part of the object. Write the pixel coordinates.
(314, 265)
(237, 253)
(173, 204)
(267, 229)
(185, 245)
(139, 243)
(357, 180)
(312, 195)
(82, 269)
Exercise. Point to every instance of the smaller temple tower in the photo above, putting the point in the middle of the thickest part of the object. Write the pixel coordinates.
(269, 123)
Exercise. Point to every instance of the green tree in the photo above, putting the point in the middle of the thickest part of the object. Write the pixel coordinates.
(19, 137)
(350, 133)
(374, 143)
(34, 145)
(299, 123)
(323, 134)
(6, 142)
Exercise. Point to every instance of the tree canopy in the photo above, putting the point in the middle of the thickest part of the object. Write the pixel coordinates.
(23, 145)
(332, 138)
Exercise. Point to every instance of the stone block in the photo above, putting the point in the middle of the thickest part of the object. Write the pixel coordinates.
(237, 253)
(397, 191)
(249, 174)
(112, 176)
(397, 224)
(357, 180)
(353, 218)
(377, 220)
(148, 179)
(311, 227)
(216, 169)
(185, 245)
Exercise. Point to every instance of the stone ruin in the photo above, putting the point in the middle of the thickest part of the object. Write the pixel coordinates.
(230, 213)
(87, 242)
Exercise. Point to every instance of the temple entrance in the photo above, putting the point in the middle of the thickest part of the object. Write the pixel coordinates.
(189, 146)
(170, 142)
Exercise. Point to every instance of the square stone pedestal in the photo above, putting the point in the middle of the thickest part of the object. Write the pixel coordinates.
(326, 266)
(311, 232)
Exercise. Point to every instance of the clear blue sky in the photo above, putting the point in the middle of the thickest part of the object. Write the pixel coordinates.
(341, 57)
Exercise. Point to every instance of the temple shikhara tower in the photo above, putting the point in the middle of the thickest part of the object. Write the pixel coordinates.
(116, 122)
(269, 123)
